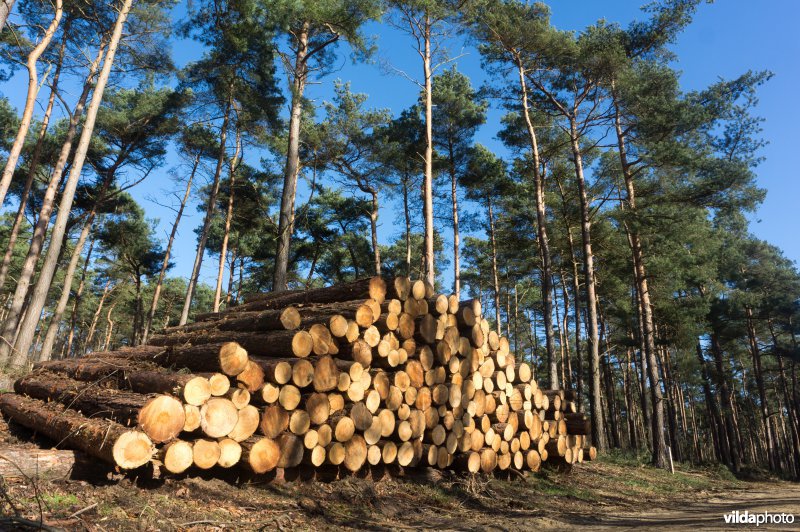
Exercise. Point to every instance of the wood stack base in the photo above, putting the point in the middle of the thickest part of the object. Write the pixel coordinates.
(369, 377)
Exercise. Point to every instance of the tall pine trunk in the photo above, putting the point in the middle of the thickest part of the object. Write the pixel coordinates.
(591, 292)
(5, 10)
(495, 278)
(456, 235)
(645, 306)
(165, 264)
(755, 353)
(30, 100)
(280, 277)
(12, 318)
(373, 225)
(541, 227)
(430, 272)
(210, 207)
(61, 305)
(33, 164)
(39, 297)
(228, 220)
(77, 302)
(407, 217)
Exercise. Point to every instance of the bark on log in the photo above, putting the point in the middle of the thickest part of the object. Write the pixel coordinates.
(103, 439)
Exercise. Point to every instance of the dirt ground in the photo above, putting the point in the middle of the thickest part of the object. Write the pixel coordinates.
(616, 491)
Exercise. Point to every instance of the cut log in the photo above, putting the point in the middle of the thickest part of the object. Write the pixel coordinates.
(105, 440)
(292, 450)
(46, 464)
(274, 421)
(163, 415)
(261, 455)
(247, 423)
(218, 417)
(177, 456)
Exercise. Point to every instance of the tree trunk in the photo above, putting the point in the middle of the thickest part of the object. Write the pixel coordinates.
(33, 165)
(591, 292)
(647, 329)
(495, 278)
(164, 265)
(456, 236)
(5, 10)
(76, 304)
(30, 99)
(212, 204)
(87, 344)
(762, 393)
(223, 254)
(13, 316)
(727, 409)
(541, 225)
(373, 223)
(286, 220)
(430, 272)
(407, 216)
(61, 306)
(39, 297)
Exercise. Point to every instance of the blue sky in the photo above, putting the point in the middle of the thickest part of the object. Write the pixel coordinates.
(726, 39)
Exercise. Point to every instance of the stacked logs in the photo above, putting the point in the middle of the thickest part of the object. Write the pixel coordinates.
(364, 373)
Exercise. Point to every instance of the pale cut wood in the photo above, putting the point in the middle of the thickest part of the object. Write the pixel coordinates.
(247, 423)
(105, 440)
(162, 418)
(240, 397)
(218, 417)
(261, 455)
(191, 418)
(252, 378)
(230, 453)
(219, 384)
(177, 456)
(274, 421)
(232, 359)
(205, 453)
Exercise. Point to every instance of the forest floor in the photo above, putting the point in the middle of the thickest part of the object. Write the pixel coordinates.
(618, 490)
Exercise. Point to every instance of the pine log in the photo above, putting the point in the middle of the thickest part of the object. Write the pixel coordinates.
(176, 456)
(368, 288)
(103, 439)
(46, 464)
(163, 419)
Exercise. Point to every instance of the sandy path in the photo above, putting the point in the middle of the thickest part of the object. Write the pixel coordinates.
(760, 497)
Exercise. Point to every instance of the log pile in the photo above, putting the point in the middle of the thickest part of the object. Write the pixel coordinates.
(362, 374)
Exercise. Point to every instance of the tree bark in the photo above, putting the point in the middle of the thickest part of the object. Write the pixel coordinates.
(33, 165)
(280, 277)
(30, 99)
(591, 292)
(61, 306)
(28, 328)
(40, 229)
(165, 265)
(407, 217)
(5, 10)
(762, 393)
(430, 271)
(228, 219)
(373, 223)
(647, 328)
(212, 203)
(541, 226)
(495, 278)
(456, 236)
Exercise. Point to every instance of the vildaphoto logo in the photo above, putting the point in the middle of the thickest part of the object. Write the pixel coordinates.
(765, 518)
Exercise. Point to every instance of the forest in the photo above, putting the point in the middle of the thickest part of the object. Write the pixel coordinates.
(608, 239)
